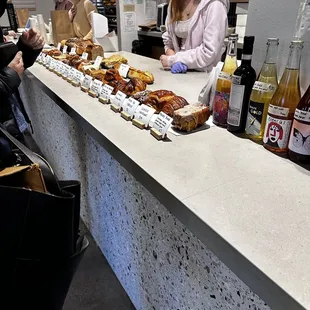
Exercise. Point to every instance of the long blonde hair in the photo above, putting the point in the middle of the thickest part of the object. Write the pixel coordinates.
(176, 10)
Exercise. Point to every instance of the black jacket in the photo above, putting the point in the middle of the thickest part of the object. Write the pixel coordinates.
(10, 80)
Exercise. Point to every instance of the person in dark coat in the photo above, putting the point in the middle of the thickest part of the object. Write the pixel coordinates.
(12, 112)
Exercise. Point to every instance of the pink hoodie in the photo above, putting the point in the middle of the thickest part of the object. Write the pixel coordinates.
(204, 43)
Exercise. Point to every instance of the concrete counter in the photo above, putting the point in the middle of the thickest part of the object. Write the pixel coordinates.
(244, 213)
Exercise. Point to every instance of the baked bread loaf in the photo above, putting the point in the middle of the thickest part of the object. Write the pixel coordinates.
(114, 59)
(93, 51)
(191, 117)
(145, 76)
(165, 101)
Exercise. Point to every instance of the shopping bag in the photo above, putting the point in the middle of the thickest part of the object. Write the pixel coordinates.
(62, 26)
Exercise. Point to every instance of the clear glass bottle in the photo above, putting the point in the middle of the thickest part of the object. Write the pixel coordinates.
(243, 80)
(283, 103)
(223, 85)
(299, 144)
(262, 92)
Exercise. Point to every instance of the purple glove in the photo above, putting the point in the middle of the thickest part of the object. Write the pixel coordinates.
(179, 67)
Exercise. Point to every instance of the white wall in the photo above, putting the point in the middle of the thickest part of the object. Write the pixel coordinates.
(276, 18)
(45, 7)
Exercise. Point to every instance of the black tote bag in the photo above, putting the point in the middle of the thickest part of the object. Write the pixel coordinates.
(37, 224)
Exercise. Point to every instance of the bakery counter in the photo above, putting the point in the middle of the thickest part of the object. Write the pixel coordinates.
(201, 221)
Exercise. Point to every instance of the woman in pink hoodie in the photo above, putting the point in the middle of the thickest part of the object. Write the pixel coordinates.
(195, 34)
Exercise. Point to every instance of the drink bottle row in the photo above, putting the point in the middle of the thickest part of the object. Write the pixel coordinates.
(268, 112)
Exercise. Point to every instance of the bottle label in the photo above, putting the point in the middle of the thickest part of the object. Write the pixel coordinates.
(236, 79)
(277, 132)
(302, 115)
(278, 111)
(246, 57)
(220, 107)
(235, 103)
(224, 76)
(264, 87)
(300, 138)
(255, 118)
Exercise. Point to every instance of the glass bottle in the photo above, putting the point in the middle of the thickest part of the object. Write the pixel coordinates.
(223, 85)
(283, 104)
(243, 80)
(262, 92)
(299, 144)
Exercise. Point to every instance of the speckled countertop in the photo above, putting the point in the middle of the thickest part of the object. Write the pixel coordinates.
(249, 206)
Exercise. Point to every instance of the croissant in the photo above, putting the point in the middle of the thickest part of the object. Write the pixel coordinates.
(165, 101)
(145, 76)
(112, 75)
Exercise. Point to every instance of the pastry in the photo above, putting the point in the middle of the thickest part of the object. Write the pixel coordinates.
(112, 75)
(52, 53)
(142, 95)
(145, 76)
(191, 117)
(96, 74)
(165, 101)
(111, 61)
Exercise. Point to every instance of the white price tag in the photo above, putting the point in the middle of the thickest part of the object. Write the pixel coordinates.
(48, 60)
(73, 51)
(65, 49)
(59, 46)
(66, 70)
(144, 114)
(58, 66)
(162, 123)
(61, 68)
(106, 92)
(224, 76)
(96, 87)
(85, 56)
(264, 87)
(98, 62)
(87, 81)
(131, 106)
(278, 111)
(119, 99)
(71, 73)
(52, 64)
(42, 58)
(123, 70)
(78, 76)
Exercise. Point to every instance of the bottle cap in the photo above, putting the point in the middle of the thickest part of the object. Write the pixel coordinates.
(234, 36)
(299, 43)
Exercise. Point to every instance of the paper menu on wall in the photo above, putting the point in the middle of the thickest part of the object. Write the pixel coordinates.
(150, 10)
(130, 22)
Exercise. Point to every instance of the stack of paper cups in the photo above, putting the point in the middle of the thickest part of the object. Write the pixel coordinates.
(41, 26)
(33, 23)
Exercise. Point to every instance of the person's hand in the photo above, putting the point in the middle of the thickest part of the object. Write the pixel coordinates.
(179, 67)
(164, 61)
(170, 52)
(72, 13)
(17, 64)
(12, 33)
(33, 39)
